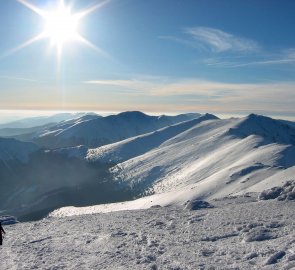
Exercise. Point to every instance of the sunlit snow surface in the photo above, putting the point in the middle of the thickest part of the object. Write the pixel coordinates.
(210, 159)
(238, 233)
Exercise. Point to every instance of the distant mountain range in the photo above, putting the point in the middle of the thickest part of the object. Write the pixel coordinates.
(41, 120)
(93, 130)
(99, 131)
(29, 173)
(92, 159)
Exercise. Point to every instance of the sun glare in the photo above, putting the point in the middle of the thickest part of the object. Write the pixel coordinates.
(61, 26)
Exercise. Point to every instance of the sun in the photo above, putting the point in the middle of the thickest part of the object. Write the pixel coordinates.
(61, 25)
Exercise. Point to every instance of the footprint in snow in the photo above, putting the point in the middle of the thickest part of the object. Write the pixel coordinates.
(273, 259)
(40, 240)
(259, 234)
(207, 252)
(251, 256)
(195, 219)
(118, 234)
(152, 243)
(156, 223)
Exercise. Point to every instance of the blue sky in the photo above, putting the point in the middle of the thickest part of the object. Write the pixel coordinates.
(223, 57)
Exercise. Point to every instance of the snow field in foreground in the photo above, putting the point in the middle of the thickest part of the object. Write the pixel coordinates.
(238, 233)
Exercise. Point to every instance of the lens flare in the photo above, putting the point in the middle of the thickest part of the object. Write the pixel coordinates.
(61, 26)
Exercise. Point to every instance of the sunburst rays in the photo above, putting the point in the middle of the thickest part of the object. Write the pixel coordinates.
(60, 27)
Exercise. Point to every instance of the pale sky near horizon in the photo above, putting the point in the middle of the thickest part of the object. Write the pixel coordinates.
(223, 57)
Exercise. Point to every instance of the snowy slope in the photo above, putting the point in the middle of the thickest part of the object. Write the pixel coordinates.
(202, 158)
(11, 149)
(276, 179)
(213, 158)
(135, 146)
(105, 130)
(271, 130)
(238, 233)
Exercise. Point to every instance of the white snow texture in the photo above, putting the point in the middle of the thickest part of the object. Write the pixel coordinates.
(210, 203)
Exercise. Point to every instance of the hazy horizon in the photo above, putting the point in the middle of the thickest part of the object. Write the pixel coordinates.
(7, 116)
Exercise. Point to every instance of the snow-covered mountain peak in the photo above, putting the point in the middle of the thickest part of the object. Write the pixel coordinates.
(133, 114)
(208, 116)
(271, 130)
(135, 146)
(211, 158)
(175, 158)
(95, 131)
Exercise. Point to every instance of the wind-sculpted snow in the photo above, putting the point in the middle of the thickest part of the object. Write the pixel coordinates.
(238, 233)
(213, 158)
(98, 131)
(286, 192)
(277, 179)
(136, 146)
(271, 130)
(200, 159)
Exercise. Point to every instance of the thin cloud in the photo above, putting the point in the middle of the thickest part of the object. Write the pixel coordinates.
(166, 95)
(214, 40)
(250, 52)
(220, 91)
(208, 91)
(220, 41)
(219, 96)
(284, 58)
(186, 42)
(131, 86)
(17, 78)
